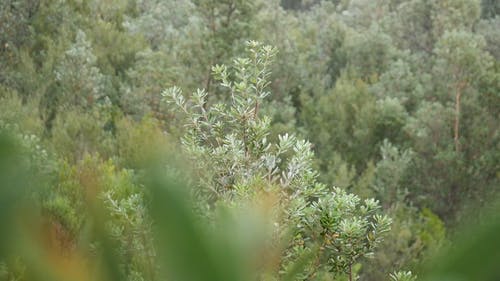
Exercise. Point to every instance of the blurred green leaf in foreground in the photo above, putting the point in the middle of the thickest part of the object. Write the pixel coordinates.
(187, 249)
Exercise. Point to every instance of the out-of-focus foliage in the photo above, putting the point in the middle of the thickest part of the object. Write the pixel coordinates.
(30, 247)
(398, 99)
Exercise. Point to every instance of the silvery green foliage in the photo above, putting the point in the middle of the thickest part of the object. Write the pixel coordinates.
(81, 80)
(163, 22)
(403, 82)
(130, 226)
(362, 13)
(403, 276)
(390, 170)
(461, 58)
(129, 222)
(369, 52)
(233, 158)
(231, 139)
(337, 228)
(488, 28)
(37, 157)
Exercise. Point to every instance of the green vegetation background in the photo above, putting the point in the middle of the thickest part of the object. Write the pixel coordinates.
(399, 100)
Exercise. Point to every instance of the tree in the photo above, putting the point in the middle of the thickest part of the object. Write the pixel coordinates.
(234, 160)
(487, 28)
(490, 8)
(419, 24)
(461, 60)
(81, 81)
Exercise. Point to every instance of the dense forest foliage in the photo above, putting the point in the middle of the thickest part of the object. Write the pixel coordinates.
(324, 140)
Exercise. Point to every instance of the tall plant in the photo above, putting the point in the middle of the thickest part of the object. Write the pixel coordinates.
(234, 161)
